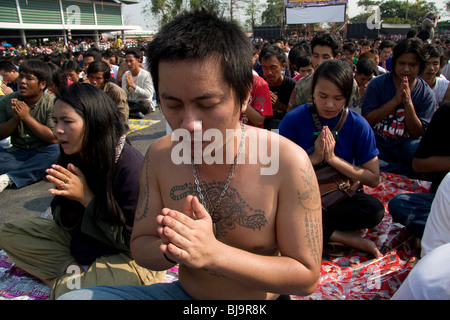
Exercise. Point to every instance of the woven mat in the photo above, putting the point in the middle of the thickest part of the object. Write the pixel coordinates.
(136, 125)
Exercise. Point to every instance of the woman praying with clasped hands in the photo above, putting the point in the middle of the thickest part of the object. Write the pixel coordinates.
(352, 151)
(96, 189)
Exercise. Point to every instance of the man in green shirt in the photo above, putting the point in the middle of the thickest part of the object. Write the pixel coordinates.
(324, 46)
(27, 116)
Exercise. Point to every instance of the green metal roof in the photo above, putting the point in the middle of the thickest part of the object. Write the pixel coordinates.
(75, 13)
(108, 15)
(40, 11)
(8, 11)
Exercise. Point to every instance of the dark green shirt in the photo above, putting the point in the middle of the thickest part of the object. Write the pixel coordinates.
(23, 137)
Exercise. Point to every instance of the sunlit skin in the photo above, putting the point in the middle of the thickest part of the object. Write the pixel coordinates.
(96, 79)
(349, 56)
(319, 54)
(407, 66)
(384, 55)
(210, 267)
(133, 67)
(30, 87)
(306, 71)
(362, 80)
(69, 127)
(328, 98)
(365, 49)
(9, 77)
(196, 112)
(431, 69)
(272, 68)
(322, 53)
(86, 61)
(72, 75)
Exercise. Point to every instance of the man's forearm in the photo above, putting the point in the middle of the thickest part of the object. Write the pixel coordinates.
(145, 250)
(291, 277)
(413, 123)
(254, 116)
(7, 128)
(375, 116)
(40, 130)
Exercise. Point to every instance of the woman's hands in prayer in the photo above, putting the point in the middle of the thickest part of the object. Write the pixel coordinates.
(70, 183)
(323, 147)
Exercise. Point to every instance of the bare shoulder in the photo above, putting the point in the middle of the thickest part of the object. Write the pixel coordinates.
(159, 148)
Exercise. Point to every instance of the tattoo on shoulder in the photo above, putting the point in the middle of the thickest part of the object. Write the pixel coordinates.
(232, 210)
(309, 193)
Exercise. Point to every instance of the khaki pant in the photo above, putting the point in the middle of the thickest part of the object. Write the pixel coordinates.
(41, 247)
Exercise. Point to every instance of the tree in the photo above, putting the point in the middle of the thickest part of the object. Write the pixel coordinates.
(251, 12)
(274, 13)
(395, 11)
(166, 10)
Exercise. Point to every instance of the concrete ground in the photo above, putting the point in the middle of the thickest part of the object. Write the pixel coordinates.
(33, 200)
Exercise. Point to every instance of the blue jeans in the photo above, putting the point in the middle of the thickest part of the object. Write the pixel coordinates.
(412, 211)
(157, 291)
(397, 156)
(25, 167)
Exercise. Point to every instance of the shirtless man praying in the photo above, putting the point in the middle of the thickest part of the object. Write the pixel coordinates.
(235, 233)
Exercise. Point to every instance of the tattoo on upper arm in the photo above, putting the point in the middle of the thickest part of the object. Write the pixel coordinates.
(311, 203)
(144, 194)
(232, 210)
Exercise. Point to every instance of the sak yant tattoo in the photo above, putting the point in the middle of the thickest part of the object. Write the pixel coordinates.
(144, 193)
(310, 202)
(233, 209)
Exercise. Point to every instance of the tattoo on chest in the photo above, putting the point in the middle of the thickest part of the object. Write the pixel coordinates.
(233, 208)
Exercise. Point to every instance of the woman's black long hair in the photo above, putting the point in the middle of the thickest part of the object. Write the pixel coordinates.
(97, 159)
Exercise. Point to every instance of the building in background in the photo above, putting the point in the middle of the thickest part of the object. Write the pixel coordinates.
(22, 21)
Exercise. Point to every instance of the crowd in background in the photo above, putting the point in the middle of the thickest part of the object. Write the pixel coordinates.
(282, 69)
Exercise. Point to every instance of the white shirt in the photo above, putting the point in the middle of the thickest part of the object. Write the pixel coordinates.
(429, 279)
(440, 88)
(144, 87)
(437, 228)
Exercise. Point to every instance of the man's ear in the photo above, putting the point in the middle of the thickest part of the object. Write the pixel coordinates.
(43, 85)
(245, 104)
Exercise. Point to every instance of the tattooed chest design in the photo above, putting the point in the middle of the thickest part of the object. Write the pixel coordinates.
(233, 208)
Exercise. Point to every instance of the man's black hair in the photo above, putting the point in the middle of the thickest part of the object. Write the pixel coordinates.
(135, 52)
(410, 45)
(326, 39)
(366, 66)
(100, 66)
(272, 50)
(37, 68)
(199, 35)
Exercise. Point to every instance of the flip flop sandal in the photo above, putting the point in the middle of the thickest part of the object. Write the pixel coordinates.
(336, 249)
